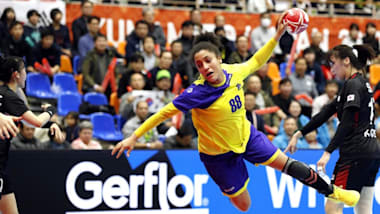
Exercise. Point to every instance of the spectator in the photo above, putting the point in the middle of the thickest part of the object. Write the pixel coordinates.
(95, 66)
(263, 33)
(228, 46)
(85, 140)
(150, 58)
(320, 55)
(181, 64)
(286, 43)
(259, 6)
(196, 18)
(136, 38)
(61, 32)
(150, 139)
(79, 27)
(136, 65)
(126, 101)
(370, 37)
(86, 42)
(295, 112)
(311, 139)
(31, 28)
(266, 81)
(353, 36)
(155, 30)
(71, 126)
(331, 91)
(6, 19)
(314, 70)
(285, 97)
(303, 84)
(163, 83)
(250, 104)
(25, 139)
(290, 126)
(183, 139)
(56, 144)
(187, 36)
(15, 45)
(48, 50)
(219, 21)
(263, 100)
(165, 63)
(241, 54)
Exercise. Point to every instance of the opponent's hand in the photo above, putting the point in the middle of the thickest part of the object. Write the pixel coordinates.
(126, 144)
(292, 146)
(57, 133)
(281, 27)
(7, 126)
(323, 161)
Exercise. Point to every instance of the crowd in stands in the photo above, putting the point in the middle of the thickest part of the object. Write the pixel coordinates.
(277, 107)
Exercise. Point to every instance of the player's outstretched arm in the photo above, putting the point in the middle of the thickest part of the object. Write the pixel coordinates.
(292, 145)
(126, 144)
(7, 126)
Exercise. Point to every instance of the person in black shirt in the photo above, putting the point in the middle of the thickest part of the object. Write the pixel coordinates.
(7, 18)
(61, 32)
(370, 37)
(285, 97)
(79, 27)
(15, 45)
(12, 77)
(355, 137)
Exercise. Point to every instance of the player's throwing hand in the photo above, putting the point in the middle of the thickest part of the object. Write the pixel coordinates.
(126, 144)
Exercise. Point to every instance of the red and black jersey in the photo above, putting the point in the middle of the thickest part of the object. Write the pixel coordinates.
(356, 134)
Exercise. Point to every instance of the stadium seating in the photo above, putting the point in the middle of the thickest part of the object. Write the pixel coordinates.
(121, 47)
(104, 127)
(96, 98)
(68, 102)
(76, 60)
(274, 75)
(283, 69)
(374, 74)
(38, 85)
(66, 64)
(63, 83)
(115, 102)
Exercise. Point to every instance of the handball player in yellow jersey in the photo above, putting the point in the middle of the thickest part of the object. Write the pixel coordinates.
(225, 136)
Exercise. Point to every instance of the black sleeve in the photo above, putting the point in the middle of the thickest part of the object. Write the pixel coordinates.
(66, 39)
(14, 105)
(123, 83)
(352, 92)
(320, 118)
(345, 127)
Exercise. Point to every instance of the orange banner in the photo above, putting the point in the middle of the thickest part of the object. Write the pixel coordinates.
(118, 21)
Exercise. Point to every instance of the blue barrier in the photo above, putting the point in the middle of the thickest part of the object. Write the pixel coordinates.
(151, 182)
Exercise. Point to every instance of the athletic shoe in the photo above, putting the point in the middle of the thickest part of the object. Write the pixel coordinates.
(348, 197)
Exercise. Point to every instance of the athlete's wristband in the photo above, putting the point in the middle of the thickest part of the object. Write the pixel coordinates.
(51, 110)
(47, 124)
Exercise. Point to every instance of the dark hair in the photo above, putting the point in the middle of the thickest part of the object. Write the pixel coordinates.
(14, 24)
(99, 35)
(365, 53)
(86, 1)
(370, 24)
(136, 57)
(175, 41)
(240, 36)
(290, 117)
(4, 15)
(141, 22)
(264, 13)
(54, 12)
(308, 50)
(73, 114)
(148, 36)
(187, 23)
(354, 26)
(32, 12)
(207, 41)
(249, 93)
(9, 65)
(219, 29)
(89, 20)
(285, 80)
(46, 32)
(186, 129)
(332, 82)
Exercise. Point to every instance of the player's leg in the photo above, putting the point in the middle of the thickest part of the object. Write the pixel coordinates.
(333, 207)
(230, 173)
(365, 203)
(8, 204)
(242, 201)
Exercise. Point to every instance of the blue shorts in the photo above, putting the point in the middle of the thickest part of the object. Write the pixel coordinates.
(229, 170)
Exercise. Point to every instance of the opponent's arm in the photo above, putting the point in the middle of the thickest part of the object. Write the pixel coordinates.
(128, 144)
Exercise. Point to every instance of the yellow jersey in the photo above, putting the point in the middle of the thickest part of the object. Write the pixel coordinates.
(218, 112)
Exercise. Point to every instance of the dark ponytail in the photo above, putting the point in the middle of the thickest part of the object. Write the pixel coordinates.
(9, 65)
(359, 60)
(206, 41)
